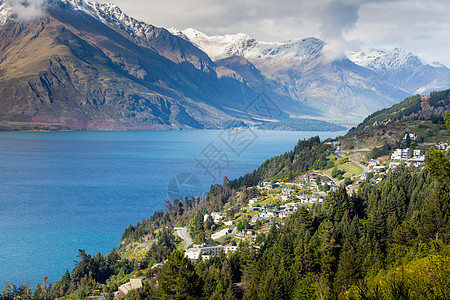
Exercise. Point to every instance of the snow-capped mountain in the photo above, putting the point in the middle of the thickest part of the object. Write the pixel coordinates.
(5, 12)
(86, 65)
(298, 69)
(405, 69)
(241, 44)
(89, 65)
(384, 61)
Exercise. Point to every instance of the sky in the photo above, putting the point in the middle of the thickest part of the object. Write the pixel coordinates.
(419, 26)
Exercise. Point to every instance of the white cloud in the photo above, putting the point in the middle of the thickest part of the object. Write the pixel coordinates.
(27, 9)
(422, 27)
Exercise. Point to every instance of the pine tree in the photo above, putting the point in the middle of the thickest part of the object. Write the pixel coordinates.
(435, 216)
(178, 279)
(439, 165)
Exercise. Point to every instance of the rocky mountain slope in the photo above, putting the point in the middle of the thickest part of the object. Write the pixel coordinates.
(83, 65)
(346, 87)
(89, 66)
(404, 69)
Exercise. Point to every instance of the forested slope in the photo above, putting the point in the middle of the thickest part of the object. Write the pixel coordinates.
(415, 107)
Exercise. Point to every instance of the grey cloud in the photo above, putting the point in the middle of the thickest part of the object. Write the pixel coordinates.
(341, 23)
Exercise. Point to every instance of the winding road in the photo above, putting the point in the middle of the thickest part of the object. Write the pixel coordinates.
(182, 232)
(365, 169)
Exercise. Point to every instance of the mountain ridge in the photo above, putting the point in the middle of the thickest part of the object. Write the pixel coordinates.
(101, 66)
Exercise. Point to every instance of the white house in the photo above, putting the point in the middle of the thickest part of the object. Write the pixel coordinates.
(442, 146)
(416, 161)
(394, 164)
(207, 251)
(412, 136)
(418, 153)
(400, 154)
(220, 233)
(252, 201)
(228, 223)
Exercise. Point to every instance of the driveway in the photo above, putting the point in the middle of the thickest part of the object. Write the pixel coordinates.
(182, 232)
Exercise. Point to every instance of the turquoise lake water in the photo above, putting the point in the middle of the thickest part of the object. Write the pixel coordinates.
(64, 191)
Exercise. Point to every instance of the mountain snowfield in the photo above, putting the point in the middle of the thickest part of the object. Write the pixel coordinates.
(186, 79)
(400, 66)
(241, 44)
(5, 12)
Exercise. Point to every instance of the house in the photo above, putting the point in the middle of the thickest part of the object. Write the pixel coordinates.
(442, 146)
(364, 176)
(287, 192)
(286, 214)
(416, 161)
(377, 169)
(206, 251)
(270, 185)
(333, 143)
(252, 201)
(412, 136)
(220, 233)
(418, 153)
(285, 198)
(290, 205)
(230, 248)
(247, 232)
(228, 223)
(311, 178)
(217, 217)
(325, 180)
(400, 154)
(394, 164)
(373, 163)
(133, 284)
(271, 223)
(268, 214)
(352, 189)
(305, 199)
(255, 219)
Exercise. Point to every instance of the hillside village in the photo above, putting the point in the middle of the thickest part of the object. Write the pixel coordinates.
(272, 203)
(348, 163)
(277, 200)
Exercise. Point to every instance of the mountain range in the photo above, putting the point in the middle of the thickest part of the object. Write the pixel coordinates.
(83, 65)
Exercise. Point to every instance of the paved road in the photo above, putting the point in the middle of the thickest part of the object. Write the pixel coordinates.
(356, 142)
(365, 169)
(182, 232)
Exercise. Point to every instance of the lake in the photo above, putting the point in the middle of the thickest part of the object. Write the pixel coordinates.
(64, 191)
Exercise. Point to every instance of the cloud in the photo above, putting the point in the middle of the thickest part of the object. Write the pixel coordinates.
(27, 10)
(336, 18)
(422, 27)
(409, 24)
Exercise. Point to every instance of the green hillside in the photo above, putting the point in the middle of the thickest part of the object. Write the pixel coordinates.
(412, 108)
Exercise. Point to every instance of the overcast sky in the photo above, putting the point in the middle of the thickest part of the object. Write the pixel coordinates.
(420, 26)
